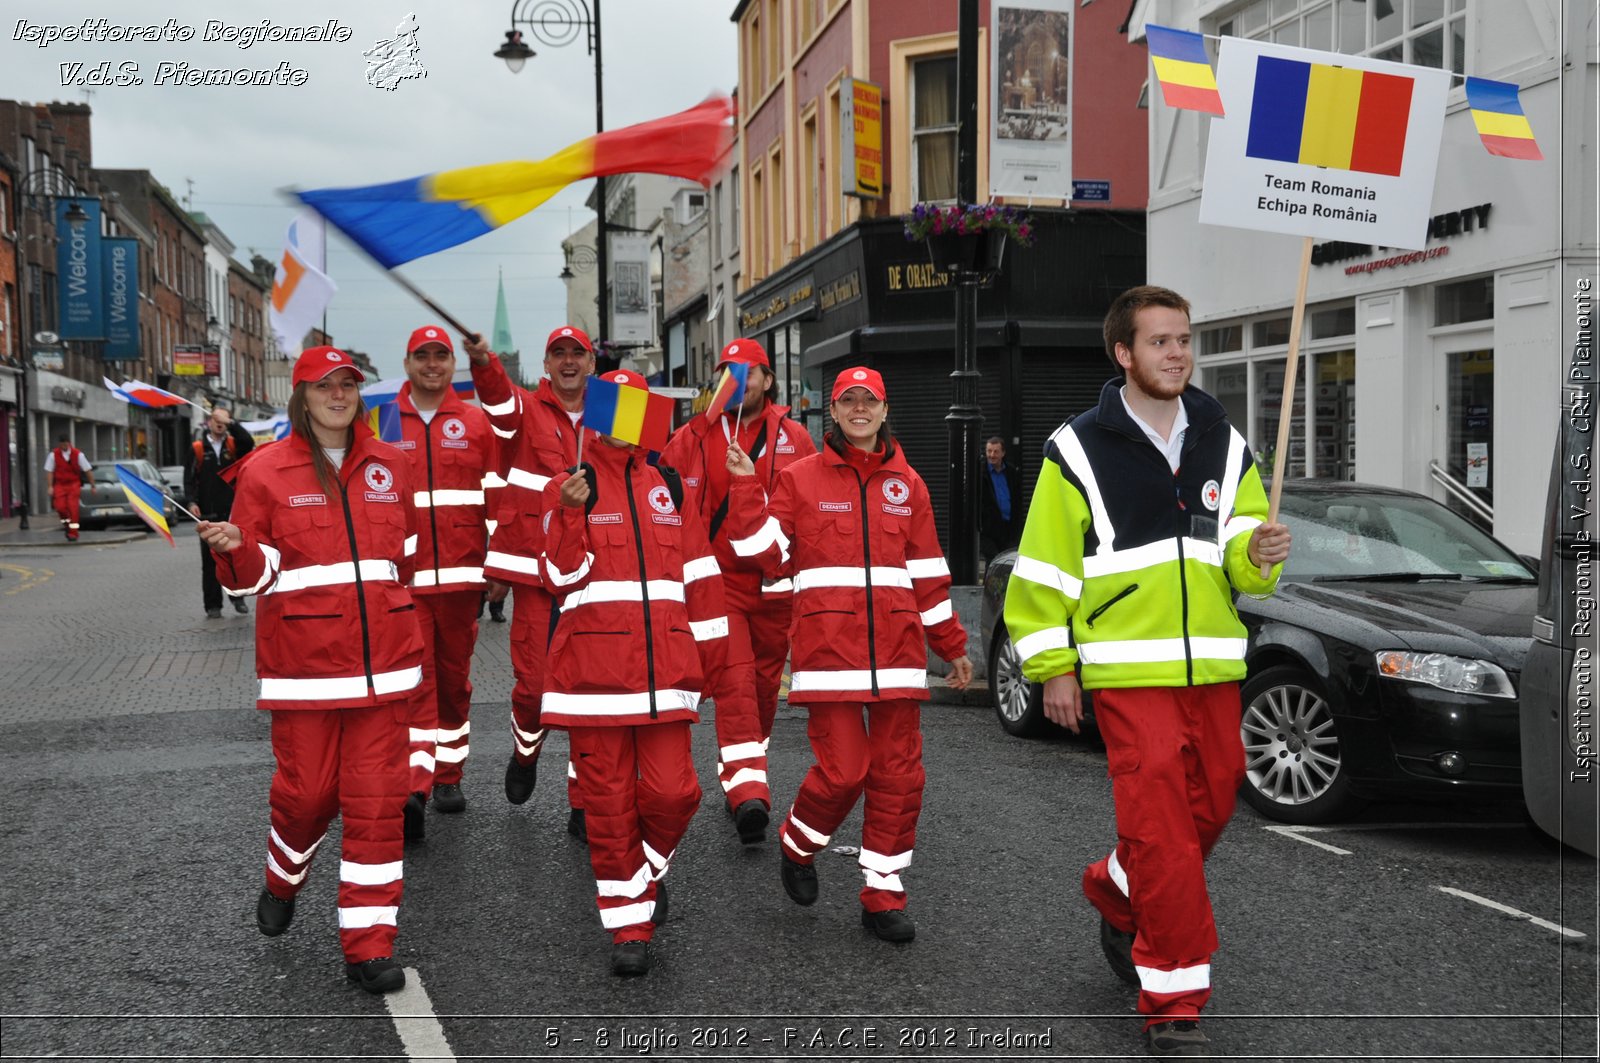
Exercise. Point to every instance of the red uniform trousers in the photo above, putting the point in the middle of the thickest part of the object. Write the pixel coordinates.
(66, 499)
(1176, 761)
(440, 727)
(769, 640)
(747, 689)
(533, 616)
(347, 762)
(881, 753)
(639, 792)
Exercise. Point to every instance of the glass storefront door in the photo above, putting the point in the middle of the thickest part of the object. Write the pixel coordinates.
(1469, 424)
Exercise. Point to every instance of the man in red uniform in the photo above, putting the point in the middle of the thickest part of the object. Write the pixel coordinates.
(746, 691)
(69, 471)
(454, 458)
(538, 430)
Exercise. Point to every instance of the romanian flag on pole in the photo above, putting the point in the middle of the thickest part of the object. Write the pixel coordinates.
(148, 396)
(729, 391)
(1332, 116)
(628, 413)
(1181, 65)
(403, 220)
(384, 420)
(146, 500)
(1497, 112)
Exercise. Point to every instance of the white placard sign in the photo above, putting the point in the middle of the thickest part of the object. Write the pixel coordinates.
(1030, 92)
(1319, 144)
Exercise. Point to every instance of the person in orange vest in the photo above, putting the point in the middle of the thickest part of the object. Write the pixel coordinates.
(211, 495)
(69, 471)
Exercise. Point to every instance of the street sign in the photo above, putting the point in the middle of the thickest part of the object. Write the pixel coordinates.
(53, 359)
(46, 339)
(1091, 191)
(188, 359)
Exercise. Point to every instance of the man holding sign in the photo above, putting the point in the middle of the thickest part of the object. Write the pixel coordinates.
(1148, 515)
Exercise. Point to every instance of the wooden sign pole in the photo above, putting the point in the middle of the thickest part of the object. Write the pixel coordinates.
(1290, 371)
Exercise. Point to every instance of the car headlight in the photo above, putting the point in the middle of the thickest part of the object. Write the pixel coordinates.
(1461, 675)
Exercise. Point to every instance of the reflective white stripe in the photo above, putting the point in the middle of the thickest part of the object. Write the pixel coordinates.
(504, 433)
(1118, 876)
(559, 578)
(410, 545)
(885, 864)
(700, 568)
(492, 480)
(528, 566)
(490, 525)
(627, 915)
(624, 887)
(455, 732)
(572, 772)
(1238, 526)
(353, 686)
(297, 857)
(424, 499)
(618, 704)
(369, 874)
(811, 836)
(294, 880)
(361, 918)
(273, 559)
(1051, 638)
(782, 586)
(742, 751)
(299, 579)
(624, 590)
(451, 754)
(428, 577)
(876, 881)
(938, 614)
(526, 736)
(790, 843)
(742, 776)
(523, 478)
(888, 679)
(769, 534)
(1072, 450)
(927, 567)
(424, 734)
(527, 751)
(706, 630)
(1228, 497)
(1182, 980)
(1162, 552)
(842, 576)
(422, 759)
(500, 409)
(1156, 651)
(1047, 575)
(655, 859)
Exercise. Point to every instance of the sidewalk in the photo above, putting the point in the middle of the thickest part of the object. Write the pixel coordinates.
(46, 532)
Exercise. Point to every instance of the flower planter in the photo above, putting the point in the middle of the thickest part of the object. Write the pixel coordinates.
(980, 252)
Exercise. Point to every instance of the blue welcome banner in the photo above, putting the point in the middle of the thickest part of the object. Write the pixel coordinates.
(79, 269)
(121, 257)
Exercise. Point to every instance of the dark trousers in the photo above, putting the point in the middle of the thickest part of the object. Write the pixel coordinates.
(210, 589)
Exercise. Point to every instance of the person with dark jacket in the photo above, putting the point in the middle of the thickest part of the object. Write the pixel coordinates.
(1000, 519)
(223, 442)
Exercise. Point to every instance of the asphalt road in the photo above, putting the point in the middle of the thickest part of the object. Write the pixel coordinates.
(133, 814)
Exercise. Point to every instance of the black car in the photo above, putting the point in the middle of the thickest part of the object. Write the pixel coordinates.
(1386, 665)
(102, 502)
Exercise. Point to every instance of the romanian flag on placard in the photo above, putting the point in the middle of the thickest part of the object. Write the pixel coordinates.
(1497, 112)
(628, 413)
(403, 220)
(147, 501)
(1182, 67)
(138, 393)
(729, 391)
(1332, 116)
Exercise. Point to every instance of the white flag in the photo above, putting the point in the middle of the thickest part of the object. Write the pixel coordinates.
(301, 290)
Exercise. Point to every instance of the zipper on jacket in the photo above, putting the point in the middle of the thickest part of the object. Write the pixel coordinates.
(866, 558)
(644, 589)
(433, 520)
(1123, 593)
(1183, 594)
(361, 597)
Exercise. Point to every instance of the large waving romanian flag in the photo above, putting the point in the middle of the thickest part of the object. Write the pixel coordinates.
(403, 220)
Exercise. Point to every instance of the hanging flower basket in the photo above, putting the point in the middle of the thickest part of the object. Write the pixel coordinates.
(970, 238)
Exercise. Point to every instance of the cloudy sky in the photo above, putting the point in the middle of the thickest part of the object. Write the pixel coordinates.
(240, 145)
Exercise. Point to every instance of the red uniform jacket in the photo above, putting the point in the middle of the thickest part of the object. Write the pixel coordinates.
(536, 432)
(68, 472)
(336, 627)
(699, 452)
(454, 463)
(643, 622)
(870, 581)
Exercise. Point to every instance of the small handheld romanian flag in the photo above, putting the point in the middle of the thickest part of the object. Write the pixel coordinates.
(384, 420)
(1497, 112)
(146, 500)
(729, 391)
(1181, 65)
(627, 413)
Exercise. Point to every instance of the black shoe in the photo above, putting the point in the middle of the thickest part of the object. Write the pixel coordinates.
(214, 614)
(659, 916)
(520, 778)
(497, 611)
(448, 798)
(629, 959)
(799, 881)
(382, 975)
(1118, 947)
(750, 820)
(240, 608)
(1180, 1037)
(577, 826)
(416, 823)
(892, 925)
(273, 914)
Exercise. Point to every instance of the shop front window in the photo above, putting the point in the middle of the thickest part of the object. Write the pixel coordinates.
(1333, 429)
(1264, 438)
(933, 129)
(1230, 385)
(1424, 32)
(1469, 379)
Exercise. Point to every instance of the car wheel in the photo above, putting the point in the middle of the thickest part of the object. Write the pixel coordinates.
(1294, 772)
(1017, 702)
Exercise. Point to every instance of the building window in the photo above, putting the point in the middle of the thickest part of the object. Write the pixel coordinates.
(776, 222)
(734, 235)
(810, 184)
(716, 222)
(758, 220)
(774, 49)
(1423, 32)
(1469, 300)
(933, 129)
(833, 218)
(1221, 339)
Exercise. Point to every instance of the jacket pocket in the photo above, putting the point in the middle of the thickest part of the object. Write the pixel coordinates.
(1124, 760)
(1108, 603)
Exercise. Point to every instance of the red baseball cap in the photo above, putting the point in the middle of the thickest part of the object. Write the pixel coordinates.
(430, 334)
(626, 377)
(859, 377)
(569, 332)
(745, 352)
(315, 363)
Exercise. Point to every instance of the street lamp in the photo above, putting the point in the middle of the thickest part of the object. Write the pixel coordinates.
(557, 23)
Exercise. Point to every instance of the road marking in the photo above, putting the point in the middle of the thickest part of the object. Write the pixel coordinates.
(1497, 906)
(413, 1016)
(1297, 833)
(27, 575)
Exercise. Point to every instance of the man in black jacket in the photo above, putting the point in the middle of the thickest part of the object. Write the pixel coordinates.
(210, 496)
(1000, 519)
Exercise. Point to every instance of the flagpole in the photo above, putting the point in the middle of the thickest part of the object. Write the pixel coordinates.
(1291, 369)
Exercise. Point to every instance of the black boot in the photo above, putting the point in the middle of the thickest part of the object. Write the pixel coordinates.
(520, 778)
(892, 925)
(448, 798)
(750, 820)
(659, 916)
(1118, 947)
(416, 824)
(629, 959)
(273, 914)
(497, 611)
(577, 827)
(1180, 1037)
(381, 975)
(799, 881)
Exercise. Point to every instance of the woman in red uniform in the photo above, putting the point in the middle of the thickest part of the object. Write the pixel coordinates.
(323, 529)
(853, 527)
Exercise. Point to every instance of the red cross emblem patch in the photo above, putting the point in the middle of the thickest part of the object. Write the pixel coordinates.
(379, 478)
(1211, 495)
(896, 491)
(454, 429)
(660, 499)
